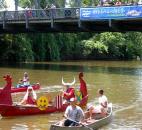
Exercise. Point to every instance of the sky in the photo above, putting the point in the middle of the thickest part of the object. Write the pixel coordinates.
(10, 3)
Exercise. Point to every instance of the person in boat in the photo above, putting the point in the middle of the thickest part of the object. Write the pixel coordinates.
(69, 92)
(73, 114)
(20, 83)
(30, 97)
(102, 107)
(26, 81)
(83, 87)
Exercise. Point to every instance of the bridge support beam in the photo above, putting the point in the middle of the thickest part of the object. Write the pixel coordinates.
(82, 26)
(54, 26)
(112, 25)
(4, 21)
(26, 19)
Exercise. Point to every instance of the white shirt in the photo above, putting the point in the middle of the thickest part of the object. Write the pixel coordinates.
(102, 100)
(75, 114)
(26, 81)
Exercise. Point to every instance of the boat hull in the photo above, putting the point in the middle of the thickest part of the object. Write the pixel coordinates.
(23, 110)
(97, 123)
(23, 89)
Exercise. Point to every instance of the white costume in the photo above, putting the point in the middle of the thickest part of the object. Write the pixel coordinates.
(27, 94)
(97, 109)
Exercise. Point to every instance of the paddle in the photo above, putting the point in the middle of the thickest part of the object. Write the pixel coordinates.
(90, 128)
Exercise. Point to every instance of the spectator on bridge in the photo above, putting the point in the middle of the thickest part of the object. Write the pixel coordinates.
(133, 3)
(140, 2)
(53, 9)
(118, 3)
(47, 6)
(47, 10)
(106, 2)
(102, 2)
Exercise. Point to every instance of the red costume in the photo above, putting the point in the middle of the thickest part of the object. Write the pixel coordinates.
(5, 94)
(69, 93)
(83, 88)
(30, 97)
(30, 100)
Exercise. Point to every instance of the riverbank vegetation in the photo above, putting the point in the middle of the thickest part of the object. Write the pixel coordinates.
(70, 46)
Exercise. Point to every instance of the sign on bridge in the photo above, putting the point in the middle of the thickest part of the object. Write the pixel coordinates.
(117, 12)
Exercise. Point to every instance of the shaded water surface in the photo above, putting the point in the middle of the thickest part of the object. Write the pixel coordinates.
(121, 80)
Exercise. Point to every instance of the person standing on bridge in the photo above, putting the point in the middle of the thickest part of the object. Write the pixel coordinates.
(118, 3)
(53, 9)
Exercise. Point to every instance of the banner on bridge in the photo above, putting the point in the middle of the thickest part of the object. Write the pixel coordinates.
(117, 12)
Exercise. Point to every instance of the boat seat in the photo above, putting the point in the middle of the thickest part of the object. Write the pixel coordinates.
(89, 121)
(94, 115)
(97, 116)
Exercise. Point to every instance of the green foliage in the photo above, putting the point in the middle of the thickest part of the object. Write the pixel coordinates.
(69, 46)
(91, 44)
(113, 41)
(15, 48)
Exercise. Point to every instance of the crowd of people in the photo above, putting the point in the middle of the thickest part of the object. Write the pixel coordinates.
(118, 3)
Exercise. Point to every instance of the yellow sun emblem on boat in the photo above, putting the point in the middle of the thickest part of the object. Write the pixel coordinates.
(42, 103)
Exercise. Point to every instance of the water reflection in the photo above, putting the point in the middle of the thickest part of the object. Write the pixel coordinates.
(83, 66)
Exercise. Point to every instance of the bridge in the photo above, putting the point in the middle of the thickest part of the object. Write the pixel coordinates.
(90, 19)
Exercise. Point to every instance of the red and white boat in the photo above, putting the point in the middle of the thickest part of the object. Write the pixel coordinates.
(20, 110)
(23, 88)
(8, 108)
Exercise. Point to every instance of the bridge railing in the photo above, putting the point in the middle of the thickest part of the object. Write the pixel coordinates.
(22, 15)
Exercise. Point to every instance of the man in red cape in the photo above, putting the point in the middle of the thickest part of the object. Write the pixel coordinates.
(83, 88)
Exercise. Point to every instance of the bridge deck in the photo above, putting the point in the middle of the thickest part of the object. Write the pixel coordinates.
(72, 20)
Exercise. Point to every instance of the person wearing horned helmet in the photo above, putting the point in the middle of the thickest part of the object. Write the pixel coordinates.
(69, 92)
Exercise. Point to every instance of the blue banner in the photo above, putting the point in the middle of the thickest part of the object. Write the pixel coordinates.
(117, 12)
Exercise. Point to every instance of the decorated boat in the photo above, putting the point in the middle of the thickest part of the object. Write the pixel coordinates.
(8, 108)
(96, 122)
(23, 88)
(20, 110)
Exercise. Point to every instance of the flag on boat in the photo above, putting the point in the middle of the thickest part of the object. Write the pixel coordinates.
(58, 102)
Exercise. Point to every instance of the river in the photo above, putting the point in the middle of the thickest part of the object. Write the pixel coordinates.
(121, 81)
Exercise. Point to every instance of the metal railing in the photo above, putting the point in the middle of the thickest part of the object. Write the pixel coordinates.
(39, 14)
